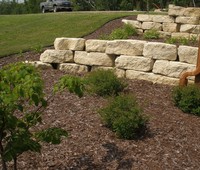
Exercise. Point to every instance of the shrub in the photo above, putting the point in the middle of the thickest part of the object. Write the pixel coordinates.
(151, 34)
(187, 99)
(104, 83)
(124, 117)
(121, 33)
(22, 101)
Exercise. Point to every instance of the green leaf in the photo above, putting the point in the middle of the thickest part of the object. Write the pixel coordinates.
(51, 135)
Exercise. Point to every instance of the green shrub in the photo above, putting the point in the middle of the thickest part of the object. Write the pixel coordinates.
(151, 34)
(187, 99)
(104, 83)
(182, 40)
(124, 117)
(121, 33)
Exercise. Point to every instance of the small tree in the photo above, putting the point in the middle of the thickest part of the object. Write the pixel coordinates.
(21, 103)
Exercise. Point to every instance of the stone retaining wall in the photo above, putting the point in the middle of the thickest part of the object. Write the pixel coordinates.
(132, 59)
(180, 22)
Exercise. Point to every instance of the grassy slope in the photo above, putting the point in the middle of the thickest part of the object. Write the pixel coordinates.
(25, 32)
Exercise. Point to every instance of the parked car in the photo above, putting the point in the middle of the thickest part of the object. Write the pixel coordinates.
(56, 5)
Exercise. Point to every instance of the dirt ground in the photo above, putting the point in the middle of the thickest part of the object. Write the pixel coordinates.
(172, 141)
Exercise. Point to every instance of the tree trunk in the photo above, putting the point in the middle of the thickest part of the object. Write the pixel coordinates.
(4, 167)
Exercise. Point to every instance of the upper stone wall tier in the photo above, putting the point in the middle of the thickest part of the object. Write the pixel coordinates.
(181, 11)
(155, 18)
(77, 44)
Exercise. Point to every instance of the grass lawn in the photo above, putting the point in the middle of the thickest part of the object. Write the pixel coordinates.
(19, 33)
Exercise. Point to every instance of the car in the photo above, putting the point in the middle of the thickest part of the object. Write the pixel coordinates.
(56, 5)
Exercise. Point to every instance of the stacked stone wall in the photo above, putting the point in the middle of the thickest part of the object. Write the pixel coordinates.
(180, 22)
(132, 59)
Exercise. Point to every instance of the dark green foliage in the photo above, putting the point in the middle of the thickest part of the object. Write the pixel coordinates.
(104, 83)
(151, 34)
(124, 117)
(187, 99)
(121, 33)
(72, 83)
(21, 101)
(51, 135)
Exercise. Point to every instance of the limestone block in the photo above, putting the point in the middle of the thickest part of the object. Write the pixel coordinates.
(94, 58)
(187, 28)
(145, 17)
(73, 68)
(193, 12)
(96, 45)
(125, 47)
(140, 31)
(39, 64)
(187, 20)
(163, 19)
(171, 68)
(188, 54)
(134, 63)
(196, 30)
(160, 51)
(180, 35)
(175, 10)
(120, 73)
(69, 44)
(135, 24)
(155, 78)
(56, 56)
(170, 27)
(151, 25)
(163, 34)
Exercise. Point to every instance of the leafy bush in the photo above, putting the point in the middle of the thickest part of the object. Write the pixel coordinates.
(121, 33)
(124, 117)
(22, 101)
(104, 83)
(151, 34)
(187, 99)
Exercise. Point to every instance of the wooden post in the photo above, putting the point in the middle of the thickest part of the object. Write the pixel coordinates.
(183, 78)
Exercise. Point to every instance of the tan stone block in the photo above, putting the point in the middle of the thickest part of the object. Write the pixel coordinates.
(96, 45)
(151, 25)
(170, 27)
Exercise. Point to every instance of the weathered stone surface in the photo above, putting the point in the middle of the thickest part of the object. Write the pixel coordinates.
(94, 58)
(69, 44)
(180, 35)
(170, 27)
(135, 24)
(163, 19)
(163, 34)
(134, 63)
(151, 25)
(125, 47)
(145, 18)
(39, 64)
(120, 73)
(160, 51)
(171, 68)
(187, 28)
(140, 31)
(196, 30)
(175, 10)
(196, 36)
(96, 45)
(155, 78)
(73, 68)
(187, 20)
(193, 12)
(56, 56)
(188, 54)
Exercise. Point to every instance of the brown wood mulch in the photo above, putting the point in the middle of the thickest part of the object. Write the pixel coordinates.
(171, 143)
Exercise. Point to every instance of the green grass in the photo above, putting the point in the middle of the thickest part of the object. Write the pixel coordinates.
(20, 33)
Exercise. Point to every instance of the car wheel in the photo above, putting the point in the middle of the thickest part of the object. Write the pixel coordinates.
(43, 10)
(54, 8)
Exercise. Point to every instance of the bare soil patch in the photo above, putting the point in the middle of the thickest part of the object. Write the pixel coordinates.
(172, 141)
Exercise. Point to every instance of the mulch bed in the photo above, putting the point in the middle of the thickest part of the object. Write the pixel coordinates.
(172, 141)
